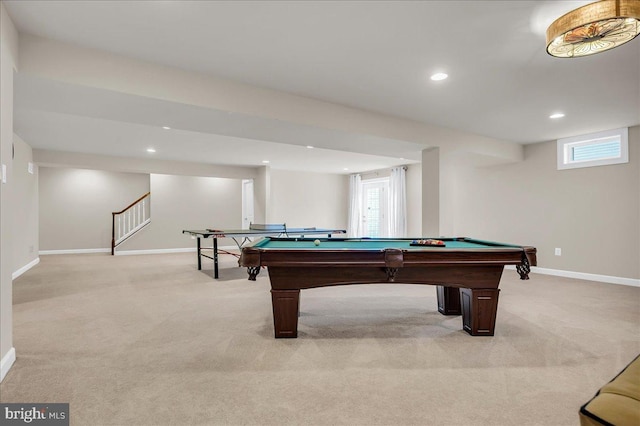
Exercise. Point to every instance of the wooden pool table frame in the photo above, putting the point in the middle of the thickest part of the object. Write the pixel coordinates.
(467, 279)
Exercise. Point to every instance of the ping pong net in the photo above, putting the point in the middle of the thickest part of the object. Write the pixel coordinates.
(282, 227)
(276, 227)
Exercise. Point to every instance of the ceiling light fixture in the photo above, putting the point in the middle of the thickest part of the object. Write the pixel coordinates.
(152, 150)
(439, 76)
(309, 146)
(265, 161)
(166, 127)
(594, 28)
(557, 115)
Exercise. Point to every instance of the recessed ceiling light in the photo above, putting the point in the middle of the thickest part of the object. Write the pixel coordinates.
(345, 169)
(151, 150)
(557, 115)
(265, 161)
(166, 127)
(439, 76)
(309, 146)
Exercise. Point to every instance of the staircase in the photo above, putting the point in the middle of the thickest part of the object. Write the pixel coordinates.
(130, 220)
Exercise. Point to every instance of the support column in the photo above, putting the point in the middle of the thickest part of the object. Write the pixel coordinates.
(431, 192)
(262, 196)
(8, 61)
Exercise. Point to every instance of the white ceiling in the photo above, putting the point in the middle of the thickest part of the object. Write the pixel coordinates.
(375, 56)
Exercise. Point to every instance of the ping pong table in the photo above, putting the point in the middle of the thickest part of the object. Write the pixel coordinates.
(243, 236)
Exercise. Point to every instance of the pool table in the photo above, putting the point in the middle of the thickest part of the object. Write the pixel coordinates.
(466, 272)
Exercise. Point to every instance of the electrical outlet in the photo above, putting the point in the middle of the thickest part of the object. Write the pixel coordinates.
(558, 252)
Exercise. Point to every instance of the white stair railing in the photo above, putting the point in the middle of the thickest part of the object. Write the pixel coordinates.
(130, 220)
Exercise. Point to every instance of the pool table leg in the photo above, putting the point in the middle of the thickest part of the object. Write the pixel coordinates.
(448, 300)
(286, 309)
(479, 308)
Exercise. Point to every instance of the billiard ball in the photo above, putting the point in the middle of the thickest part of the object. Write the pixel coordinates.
(316, 242)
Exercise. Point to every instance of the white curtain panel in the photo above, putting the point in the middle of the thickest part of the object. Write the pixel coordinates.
(355, 206)
(397, 203)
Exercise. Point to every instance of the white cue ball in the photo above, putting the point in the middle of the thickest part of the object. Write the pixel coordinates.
(316, 242)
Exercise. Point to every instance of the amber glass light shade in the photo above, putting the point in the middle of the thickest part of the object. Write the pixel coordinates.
(594, 28)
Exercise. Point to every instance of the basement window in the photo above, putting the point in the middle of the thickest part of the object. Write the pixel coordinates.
(595, 149)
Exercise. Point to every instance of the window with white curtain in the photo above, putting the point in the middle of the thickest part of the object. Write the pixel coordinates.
(377, 207)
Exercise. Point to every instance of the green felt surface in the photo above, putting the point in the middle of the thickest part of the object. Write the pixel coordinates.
(370, 244)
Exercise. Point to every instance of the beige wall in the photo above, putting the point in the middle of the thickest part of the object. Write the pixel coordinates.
(8, 61)
(591, 213)
(188, 202)
(71, 219)
(302, 199)
(25, 207)
(76, 205)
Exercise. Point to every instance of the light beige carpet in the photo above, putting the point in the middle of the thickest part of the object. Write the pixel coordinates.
(149, 340)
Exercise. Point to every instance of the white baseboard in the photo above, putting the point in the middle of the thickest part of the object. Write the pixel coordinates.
(154, 251)
(172, 250)
(7, 362)
(25, 268)
(131, 252)
(583, 276)
(76, 251)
